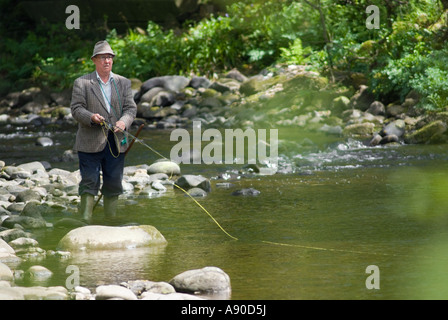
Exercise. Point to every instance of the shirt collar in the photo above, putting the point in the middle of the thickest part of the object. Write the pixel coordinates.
(111, 76)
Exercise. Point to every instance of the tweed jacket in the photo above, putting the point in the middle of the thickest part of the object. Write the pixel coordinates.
(87, 99)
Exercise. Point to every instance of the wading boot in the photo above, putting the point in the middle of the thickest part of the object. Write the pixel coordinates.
(110, 206)
(86, 207)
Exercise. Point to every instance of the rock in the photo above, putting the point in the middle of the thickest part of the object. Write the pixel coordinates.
(28, 195)
(428, 134)
(171, 83)
(236, 74)
(44, 142)
(377, 108)
(43, 293)
(8, 293)
(23, 243)
(107, 238)
(6, 248)
(25, 222)
(389, 139)
(205, 280)
(199, 82)
(38, 273)
(394, 110)
(81, 293)
(340, 104)
(32, 167)
(168, 167)
(187, 182)
(140, 286)
(196, 193)
(107, 292)
(162, 99)
(69, 223)
(360, 130)
(396, 128)
(362, 99)
(246, 192)
(376, 139)
(5, 273)
(11, 234)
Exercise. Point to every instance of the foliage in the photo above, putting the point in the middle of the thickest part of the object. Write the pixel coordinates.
(407, 53)
(295, 54)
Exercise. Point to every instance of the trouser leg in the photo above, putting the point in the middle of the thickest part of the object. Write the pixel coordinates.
(112, 165)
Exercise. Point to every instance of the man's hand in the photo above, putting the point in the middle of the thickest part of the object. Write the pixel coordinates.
(96, 118)
(119, 126)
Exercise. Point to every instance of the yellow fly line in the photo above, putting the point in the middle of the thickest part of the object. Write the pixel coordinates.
(110, 127)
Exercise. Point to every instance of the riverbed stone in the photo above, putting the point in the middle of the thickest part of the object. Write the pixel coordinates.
(362, 99)
(429, 133)
(396, 128)
(5, 273)
(25, 222)
(359, 130)
(205, 280)
(140, 286)
(168, 167)
(38, 273)
(108, 238)
(32, 167)
(28, 195)
(43, 293)
(107, 292)
(14, 233)
(189, 181)
(10, 293)
(246, 192)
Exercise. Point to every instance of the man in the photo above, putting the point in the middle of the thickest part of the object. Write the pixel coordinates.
(101, 100)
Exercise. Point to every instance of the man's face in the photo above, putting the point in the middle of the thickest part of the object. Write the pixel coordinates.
(103, 63)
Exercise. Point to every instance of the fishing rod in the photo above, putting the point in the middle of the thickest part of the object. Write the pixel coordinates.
(111, 127)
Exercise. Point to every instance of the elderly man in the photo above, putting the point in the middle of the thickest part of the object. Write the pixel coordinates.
(101, 100)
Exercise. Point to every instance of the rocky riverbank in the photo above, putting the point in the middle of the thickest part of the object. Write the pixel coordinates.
(32, 196)
(282, 96)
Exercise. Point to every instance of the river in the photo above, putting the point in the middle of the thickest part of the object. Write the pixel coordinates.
(316, 232)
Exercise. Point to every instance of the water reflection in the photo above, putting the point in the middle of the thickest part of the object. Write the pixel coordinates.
(115, 266)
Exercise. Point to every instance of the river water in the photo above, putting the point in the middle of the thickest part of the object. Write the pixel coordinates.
(316, 232)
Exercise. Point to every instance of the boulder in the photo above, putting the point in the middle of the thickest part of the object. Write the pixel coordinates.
(189, 181)
(205, 280)
(396, 128)
(362, 99)
(25, 222)
(42, 293)
(171, 83)
(107, 292)
(340, 104)
(432, 132)
(106, 238)
(8, 293)
(5, 273)
(358, 130)
(246, 192)
(168, 167)
(38, 273)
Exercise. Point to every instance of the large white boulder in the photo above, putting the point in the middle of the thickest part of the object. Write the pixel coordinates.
(105, 238)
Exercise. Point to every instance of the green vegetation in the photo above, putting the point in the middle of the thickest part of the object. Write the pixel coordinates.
(407, 53)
